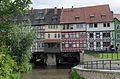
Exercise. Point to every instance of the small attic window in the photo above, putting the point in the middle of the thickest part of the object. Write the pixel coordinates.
(103, 16)
(76, 18)
(92, 16)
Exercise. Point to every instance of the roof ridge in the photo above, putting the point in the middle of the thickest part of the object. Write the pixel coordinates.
(89, 6)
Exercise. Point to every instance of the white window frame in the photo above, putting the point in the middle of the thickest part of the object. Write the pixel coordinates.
(117, 25)
(116, 36)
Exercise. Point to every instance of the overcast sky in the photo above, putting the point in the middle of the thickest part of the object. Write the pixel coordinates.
(38, 4)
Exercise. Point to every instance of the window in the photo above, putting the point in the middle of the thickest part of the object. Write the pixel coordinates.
(98, 44)
(81, 45)
(85, 45)
(66, 36)
(38, 44)
(62, 35)
(38, 27)
(81, 26)
(71, 26)
(58, 35)
(95, 25)
(63, 45)
(43, 27)
(118, 26)
(106, 35)
(73, 35)
(56, 27)
(74, 45)
(97, 35)
(70, 45)
(70, 36)
(43, 45)
(67, 26)
(77, 26)
(66, 45)
(118, 45)
(91, 44)
(55, 35)
(76, 18)
(106, 44)
(77, 45)
(63, 27)
(38, 36)
(81, 34)
(103, 16)
(42, 35)
(77, 35)
(104, 24)
(92, 16)
(84, 34)
(118, 36)
(108, 24)
(90, 25)
(48, 35)
(91, 35)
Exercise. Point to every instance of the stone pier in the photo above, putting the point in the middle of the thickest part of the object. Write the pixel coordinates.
(51, 59)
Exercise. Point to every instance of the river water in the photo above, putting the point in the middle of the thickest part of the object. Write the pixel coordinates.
(61, 72)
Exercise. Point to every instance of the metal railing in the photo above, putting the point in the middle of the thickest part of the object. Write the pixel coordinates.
(104, 54)
(103, 64)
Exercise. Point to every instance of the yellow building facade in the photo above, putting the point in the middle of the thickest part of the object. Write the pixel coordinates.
(52, 32)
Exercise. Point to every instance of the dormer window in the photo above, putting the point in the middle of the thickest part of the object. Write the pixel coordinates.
(92, 16)
(103, 16)
(54, 18)
(118, 26)
(40, 12)
(76, 18)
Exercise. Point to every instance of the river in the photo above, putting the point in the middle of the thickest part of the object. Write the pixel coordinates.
(61, 72)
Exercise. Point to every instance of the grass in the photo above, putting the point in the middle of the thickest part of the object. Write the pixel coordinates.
(14, 76)
(75, 75)
(108, 55)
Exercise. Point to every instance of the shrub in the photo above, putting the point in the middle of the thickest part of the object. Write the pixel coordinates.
(22, 38)
(25, 68)
(75, 75)
(14, 76)
(6, 63)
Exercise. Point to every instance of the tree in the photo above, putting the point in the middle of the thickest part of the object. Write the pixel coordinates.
(22, 38)
(8, 9)
(6, 63)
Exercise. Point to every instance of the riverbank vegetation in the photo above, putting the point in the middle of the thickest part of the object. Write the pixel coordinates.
(15, 40)
(107, 55)
(75, 75)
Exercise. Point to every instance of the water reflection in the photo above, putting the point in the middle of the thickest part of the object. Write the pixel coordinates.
(51, 72)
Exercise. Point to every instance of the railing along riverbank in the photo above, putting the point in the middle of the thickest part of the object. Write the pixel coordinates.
(102, 64)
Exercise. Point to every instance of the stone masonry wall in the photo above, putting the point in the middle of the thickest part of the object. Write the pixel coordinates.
(96, 74)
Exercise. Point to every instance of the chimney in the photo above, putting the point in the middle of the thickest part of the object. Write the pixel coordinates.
(112, 13)
(62, 9)
(32, 9)
(72, 8)
(55, 10)
(45, 10)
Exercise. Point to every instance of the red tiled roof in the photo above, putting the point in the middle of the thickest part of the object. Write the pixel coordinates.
(116, 16)
(68, 15)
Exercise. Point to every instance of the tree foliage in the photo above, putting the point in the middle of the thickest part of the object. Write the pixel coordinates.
(21, 41)
(6, 63)
(8, 9)
(15, 41)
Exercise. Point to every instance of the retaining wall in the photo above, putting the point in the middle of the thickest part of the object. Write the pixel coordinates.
(98, 74)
